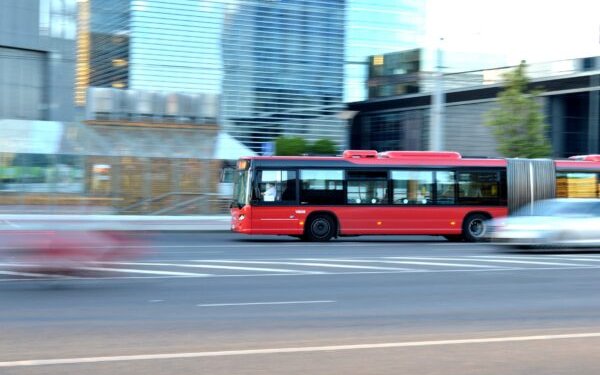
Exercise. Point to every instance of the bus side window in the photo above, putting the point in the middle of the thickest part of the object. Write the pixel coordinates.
(445, 182)
(412, 187)
(366, 187)
(275, 186)
(319, 186)
(479, 187)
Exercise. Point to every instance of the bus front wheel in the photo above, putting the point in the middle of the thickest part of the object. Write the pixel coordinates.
(475, 228)
(320, 228)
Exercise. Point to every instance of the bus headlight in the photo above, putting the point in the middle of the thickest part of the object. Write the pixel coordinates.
(241, 217)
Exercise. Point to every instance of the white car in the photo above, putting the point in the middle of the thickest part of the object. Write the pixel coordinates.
(553, 223)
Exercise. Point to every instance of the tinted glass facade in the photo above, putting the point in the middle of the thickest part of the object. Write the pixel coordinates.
(283, 70)
(397, 130)
(280, 67)
(109, 43)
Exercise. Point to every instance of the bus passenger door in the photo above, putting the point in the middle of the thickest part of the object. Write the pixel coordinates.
(414, 209)
(275, 202)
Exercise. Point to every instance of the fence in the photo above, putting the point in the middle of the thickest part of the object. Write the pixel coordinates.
(42, 183)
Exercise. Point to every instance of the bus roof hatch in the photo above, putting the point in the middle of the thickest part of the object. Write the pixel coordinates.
(351, 154)
(420, 154)
(586, 157)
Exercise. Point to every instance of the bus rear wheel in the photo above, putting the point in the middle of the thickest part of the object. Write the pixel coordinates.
(320, 228)
(475, 228)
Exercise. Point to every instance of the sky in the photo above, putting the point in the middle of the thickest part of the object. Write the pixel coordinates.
(531, 30)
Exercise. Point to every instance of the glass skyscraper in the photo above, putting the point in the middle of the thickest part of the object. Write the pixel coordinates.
(283, 70)
(280, 67)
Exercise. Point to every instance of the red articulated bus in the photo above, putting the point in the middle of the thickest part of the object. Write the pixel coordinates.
(364, 192)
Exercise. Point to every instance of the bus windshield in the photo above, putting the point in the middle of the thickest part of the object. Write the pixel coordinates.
(240, 183)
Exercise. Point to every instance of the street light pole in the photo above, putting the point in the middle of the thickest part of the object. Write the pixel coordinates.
(436, 133)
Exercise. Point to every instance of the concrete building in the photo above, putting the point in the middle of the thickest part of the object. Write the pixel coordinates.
(37, 59)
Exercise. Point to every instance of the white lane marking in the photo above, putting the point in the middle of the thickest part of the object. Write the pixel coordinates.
(208, 266)
(441, 264)
(302, 349)
(311, 264)
(533, 262)
(411, 271)
(29, 274)
(261, 303)
(505, 261)
(131, 270)
(409, 261)
(519, 257)
(19, 264)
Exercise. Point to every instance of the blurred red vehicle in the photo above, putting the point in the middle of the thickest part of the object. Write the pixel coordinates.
(66, 252)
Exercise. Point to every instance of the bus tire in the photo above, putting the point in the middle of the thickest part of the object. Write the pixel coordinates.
(474, 228)
(320, 228)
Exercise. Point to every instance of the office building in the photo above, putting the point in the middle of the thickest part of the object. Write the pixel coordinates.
(278, 67)
(283, 70)
(570, 99)
(37, 59)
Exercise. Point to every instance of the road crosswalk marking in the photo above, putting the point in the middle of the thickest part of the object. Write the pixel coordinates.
(315, 264)
(309, 266)
(503, 261)
(27, 274)
(149, 272)
(237, 268)
(404, 262)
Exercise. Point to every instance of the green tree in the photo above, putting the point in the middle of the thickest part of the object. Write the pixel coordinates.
(518, 123)
(323, 147)
(290, 146)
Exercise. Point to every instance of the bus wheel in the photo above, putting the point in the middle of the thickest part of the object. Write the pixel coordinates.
(475, 228)
(320, 228)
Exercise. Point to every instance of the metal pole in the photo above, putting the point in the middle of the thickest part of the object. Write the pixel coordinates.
(593, 116)
(436, 134)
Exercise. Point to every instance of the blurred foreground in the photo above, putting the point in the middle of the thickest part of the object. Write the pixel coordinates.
(82, 245)
(67, 252)
(553, 223)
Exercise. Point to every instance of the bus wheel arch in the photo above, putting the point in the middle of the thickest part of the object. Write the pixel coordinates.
(321, 226)
(474, 227)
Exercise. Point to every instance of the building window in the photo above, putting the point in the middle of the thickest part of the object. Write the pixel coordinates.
(58, 18)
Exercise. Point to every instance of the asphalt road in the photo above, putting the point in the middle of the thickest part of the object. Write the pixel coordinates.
(219, 303)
